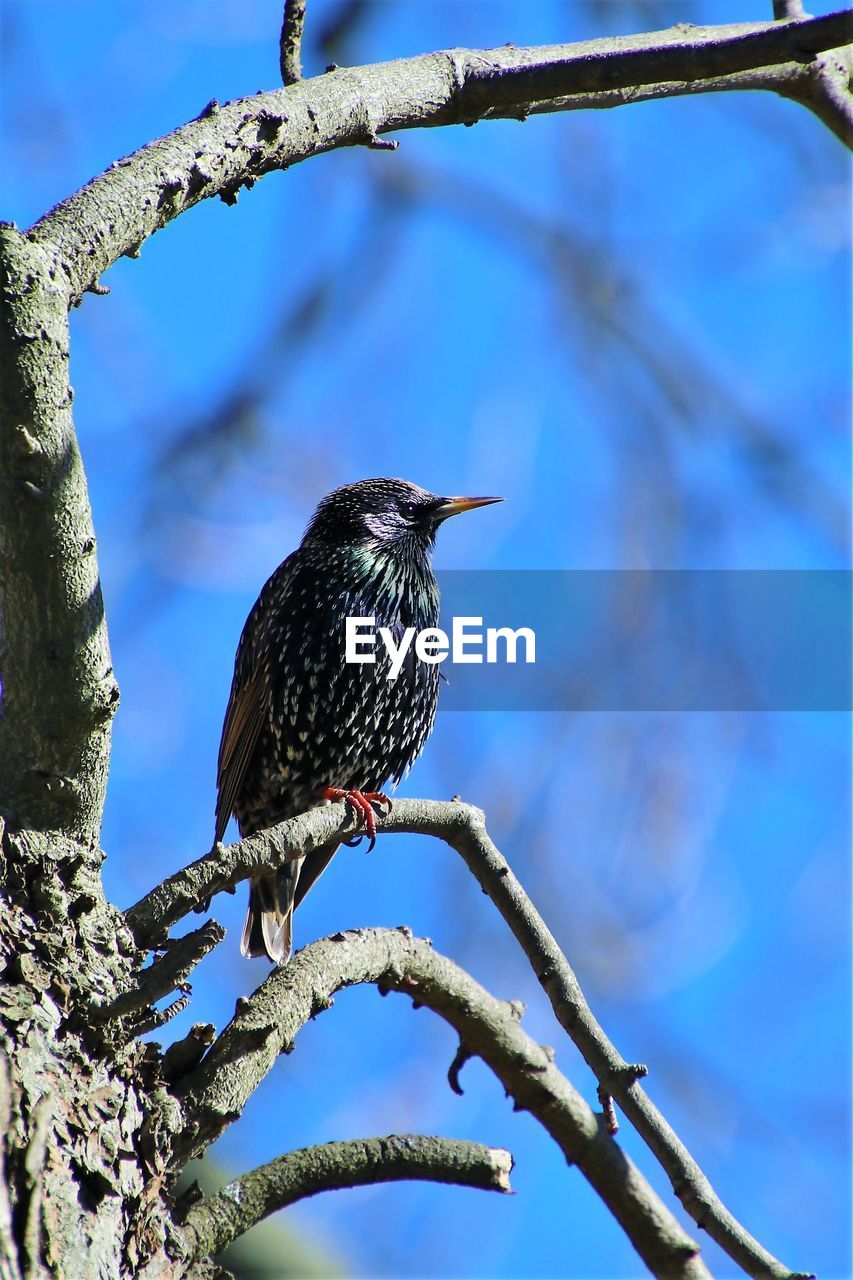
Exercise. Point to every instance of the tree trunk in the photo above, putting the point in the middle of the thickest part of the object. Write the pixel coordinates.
(86, 1119)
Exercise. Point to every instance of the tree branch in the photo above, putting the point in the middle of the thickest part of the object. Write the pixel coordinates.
(786, 10)
(226, 865)
(215, 1223)
(466, 833)
(290, 41)
(823, 86)
(232, 146)
(266, 1024)
(463, 828)
(169, 973)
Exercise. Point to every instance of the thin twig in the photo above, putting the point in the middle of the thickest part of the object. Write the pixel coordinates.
(215, 1223)
(153, 1019)
(788, 10)
(169, 973)
(266, 1025)
(290, 41)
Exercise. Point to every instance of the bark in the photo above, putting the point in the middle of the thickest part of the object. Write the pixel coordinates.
(290, 42)
(79, 1167)
(59, 692)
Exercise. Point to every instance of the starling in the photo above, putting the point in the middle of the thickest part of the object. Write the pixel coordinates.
(303, 726)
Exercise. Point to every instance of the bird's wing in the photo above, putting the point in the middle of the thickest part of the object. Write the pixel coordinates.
(248, 702)
(244, 719)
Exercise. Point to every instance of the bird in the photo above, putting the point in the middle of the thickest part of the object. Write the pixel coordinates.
(305, 727)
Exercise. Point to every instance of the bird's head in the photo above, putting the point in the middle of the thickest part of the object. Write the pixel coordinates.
(384, 514)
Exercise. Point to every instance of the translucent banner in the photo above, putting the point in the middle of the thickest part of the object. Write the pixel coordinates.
(646, 641)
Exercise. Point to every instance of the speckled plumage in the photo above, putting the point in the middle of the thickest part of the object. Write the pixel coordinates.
(300, 718)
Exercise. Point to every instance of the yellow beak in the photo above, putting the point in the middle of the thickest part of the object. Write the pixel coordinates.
(455, 506)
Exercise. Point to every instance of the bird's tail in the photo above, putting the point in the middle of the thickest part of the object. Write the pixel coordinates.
(268, 930)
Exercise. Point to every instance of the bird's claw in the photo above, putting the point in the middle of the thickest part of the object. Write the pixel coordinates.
(361, 803)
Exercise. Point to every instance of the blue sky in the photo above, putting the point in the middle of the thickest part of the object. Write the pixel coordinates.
(635, 325)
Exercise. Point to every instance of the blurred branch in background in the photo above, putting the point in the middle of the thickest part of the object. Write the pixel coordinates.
(193, 467)
(606, 309)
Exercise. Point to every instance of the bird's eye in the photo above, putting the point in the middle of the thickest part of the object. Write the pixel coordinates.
(408, 509)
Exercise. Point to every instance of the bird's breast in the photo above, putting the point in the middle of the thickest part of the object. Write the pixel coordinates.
(339, 723)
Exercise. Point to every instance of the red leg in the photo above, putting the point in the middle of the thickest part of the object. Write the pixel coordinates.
(361, 802)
